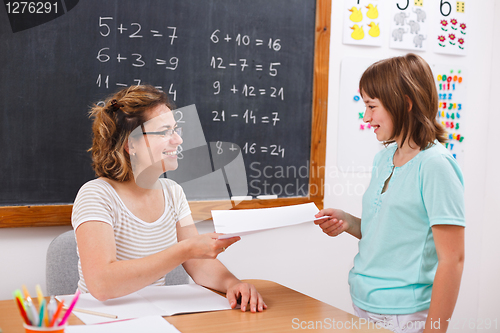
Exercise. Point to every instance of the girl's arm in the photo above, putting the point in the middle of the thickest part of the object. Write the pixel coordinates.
(213, 274)
(338, 222)
(449, 240)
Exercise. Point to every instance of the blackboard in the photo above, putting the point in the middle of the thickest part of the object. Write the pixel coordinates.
(257, 72)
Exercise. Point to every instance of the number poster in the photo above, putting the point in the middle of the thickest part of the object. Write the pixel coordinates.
(362, 22)
(451, 86)
(409, 24)
(451, 35)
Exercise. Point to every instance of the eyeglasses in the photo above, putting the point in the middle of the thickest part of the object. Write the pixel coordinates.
(166, 133)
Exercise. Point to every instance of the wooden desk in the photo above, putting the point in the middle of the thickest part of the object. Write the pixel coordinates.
(287, 311)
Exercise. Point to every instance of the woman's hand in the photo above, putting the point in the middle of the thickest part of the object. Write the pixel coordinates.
(248, 295)
(335, 224)
(207, 246)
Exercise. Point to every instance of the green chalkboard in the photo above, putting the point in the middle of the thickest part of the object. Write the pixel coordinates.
(246, 65)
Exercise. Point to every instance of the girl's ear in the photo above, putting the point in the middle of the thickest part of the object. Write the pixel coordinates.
(410, 102)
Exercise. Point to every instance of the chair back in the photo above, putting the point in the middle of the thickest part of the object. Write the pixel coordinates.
(61, 270)
(62, 267)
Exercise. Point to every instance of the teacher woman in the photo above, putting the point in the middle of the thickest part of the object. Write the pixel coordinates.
(133, 227)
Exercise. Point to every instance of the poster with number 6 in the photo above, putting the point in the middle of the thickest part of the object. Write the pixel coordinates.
(409, 24)
(451, 27)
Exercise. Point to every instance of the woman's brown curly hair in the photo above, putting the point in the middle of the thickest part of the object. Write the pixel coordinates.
(113, 123)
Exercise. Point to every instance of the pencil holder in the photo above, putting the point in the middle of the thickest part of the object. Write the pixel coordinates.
(36, 329)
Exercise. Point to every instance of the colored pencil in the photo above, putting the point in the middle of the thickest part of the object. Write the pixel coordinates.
(56, 315)
(39, 294)
(71, 306)
(25, 291)
(23, 312)
(32, 312)
(95, 313)
(42, 313)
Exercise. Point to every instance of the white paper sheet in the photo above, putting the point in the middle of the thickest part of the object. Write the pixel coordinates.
(150, 324)
(186, 298)
(244, 221)
(150, 301)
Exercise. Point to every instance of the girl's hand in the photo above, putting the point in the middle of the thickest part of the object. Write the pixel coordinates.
(249, 296)
(336, 222)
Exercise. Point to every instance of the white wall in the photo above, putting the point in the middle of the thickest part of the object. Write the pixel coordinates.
(22, 257)
(489, 288)
(303, 258)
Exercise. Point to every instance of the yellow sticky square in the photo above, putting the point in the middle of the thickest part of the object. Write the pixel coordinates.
(419, 3)
(460, 6)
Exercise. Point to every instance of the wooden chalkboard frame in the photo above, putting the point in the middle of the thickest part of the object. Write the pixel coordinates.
(59, 215)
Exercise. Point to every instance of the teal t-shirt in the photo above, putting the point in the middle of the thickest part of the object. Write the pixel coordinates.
(394, 270)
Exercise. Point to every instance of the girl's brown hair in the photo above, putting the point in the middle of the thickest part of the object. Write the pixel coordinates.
(114, 121)
(396, 82)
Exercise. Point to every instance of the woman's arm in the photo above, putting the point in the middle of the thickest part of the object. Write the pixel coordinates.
(106, 277)
(213, 274)
(338, 222)
(449, 240)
